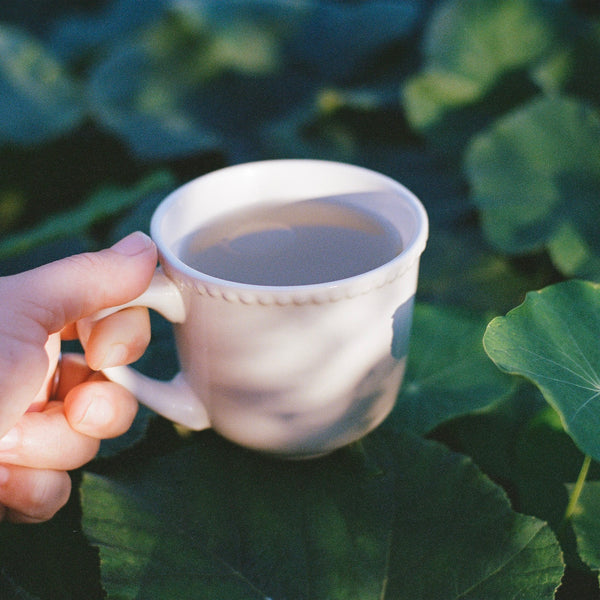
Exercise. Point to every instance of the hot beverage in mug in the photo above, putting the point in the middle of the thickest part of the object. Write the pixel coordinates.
(301, 243)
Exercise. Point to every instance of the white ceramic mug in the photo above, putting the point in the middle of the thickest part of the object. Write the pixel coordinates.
(295, 371)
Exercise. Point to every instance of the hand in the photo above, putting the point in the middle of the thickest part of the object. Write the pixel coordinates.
(42, 437)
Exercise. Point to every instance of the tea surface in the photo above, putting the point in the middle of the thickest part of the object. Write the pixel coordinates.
(300, 243)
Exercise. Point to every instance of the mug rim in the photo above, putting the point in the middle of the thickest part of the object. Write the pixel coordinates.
(324, 291)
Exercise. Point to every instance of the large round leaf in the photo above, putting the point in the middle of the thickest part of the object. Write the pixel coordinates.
(552, 340)
(535, 176)
(482, 40)
(448, 373)
(38, 99)
(405, 518)
(477, 61)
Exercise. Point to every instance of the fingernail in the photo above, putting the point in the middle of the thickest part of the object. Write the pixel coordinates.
(134, 243)
(10, 440)
(98, 413)
(115, 356)
(4, 474)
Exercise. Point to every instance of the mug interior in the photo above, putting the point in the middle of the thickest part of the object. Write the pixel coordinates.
(229, 190)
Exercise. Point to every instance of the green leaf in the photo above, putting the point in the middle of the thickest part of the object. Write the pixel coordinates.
(490, 437)
(103, 204)
(552, 340)
(575, 246)
(459, 268)
(38, 99)
(586, 522)
(545, 457)
(535, 177)
(142, 557)
(477, 61)
(428, 96)
(569, 68)
(483, 40)
(403, 518)
(448, 373)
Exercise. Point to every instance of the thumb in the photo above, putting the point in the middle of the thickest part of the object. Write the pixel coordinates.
(69, 289)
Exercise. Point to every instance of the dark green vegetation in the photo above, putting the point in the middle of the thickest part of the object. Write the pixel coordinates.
(490, 111)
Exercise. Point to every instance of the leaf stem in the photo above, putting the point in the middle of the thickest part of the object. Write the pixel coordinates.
(577, 489)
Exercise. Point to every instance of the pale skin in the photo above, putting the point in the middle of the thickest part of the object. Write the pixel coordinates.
(50, 425)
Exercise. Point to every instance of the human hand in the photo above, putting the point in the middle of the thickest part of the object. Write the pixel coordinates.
(48, 427)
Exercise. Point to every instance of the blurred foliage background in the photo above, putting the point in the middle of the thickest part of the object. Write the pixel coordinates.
(487, 109)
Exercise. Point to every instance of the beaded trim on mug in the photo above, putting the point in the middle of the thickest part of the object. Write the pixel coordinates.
(300, 295)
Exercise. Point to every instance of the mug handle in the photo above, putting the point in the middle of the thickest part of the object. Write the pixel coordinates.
(173, 399)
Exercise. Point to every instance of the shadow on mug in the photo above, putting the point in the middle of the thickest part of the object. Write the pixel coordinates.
(370, 403)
